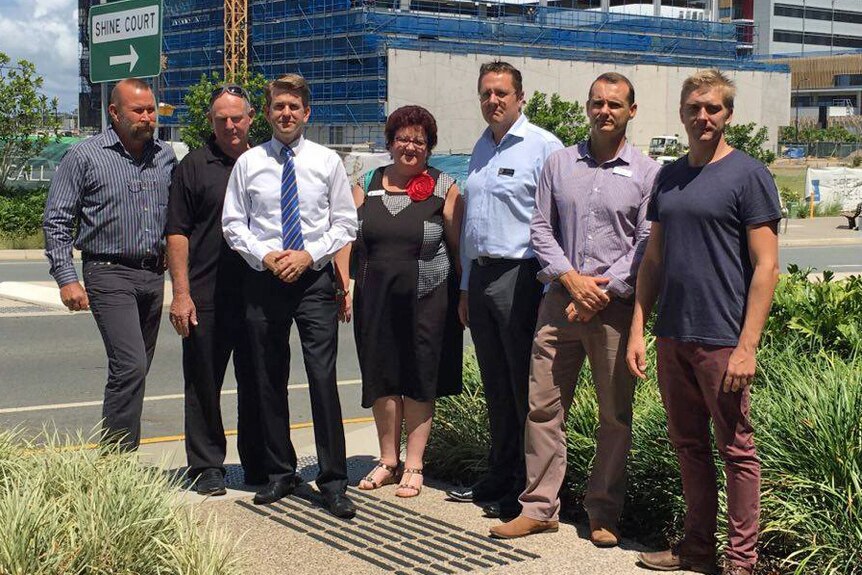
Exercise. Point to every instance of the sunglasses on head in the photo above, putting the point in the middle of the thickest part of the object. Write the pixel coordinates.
(234, 89)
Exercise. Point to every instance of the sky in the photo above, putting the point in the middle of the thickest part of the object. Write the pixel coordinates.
(44, 32)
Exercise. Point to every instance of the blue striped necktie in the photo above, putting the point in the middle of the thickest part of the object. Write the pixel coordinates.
(291, 230)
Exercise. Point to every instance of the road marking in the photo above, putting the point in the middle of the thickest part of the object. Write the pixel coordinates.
(54, 406)
(230, 432)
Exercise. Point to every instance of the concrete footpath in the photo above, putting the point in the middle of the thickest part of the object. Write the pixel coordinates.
(423, 535)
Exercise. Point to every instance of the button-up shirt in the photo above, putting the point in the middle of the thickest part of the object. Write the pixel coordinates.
(118, 202)
(591, 217)
(251, 218)
(499, 195)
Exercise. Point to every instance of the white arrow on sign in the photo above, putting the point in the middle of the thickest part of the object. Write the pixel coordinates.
(131, 59)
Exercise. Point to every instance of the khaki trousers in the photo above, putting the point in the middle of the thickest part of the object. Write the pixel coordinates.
(559, 350)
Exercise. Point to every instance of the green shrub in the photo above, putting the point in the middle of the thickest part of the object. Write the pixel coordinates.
(67, 509)
(21, 212)
(817, 316)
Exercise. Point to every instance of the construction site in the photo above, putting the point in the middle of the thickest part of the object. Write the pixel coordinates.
(363, 58)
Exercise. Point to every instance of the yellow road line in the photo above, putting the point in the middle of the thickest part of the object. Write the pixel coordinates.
(231, 432)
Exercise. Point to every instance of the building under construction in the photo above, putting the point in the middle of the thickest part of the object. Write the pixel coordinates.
(362, 58)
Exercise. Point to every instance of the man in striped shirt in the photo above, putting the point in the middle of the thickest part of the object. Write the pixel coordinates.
(109, 199)
(589, 231)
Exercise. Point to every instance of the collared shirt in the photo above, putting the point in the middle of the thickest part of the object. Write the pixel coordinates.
(251, 218)
(499, 195)
(194, 210)
(119, 203)
(591, 217)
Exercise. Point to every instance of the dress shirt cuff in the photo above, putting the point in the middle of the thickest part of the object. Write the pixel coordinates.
(259, 251)
(553, 270)
(318, 254)
(620, 288)
(465, 274)
(66, 275)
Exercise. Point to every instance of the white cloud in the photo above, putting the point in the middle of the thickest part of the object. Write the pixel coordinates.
(45, 32)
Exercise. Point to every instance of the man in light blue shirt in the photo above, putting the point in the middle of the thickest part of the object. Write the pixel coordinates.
(499, 291)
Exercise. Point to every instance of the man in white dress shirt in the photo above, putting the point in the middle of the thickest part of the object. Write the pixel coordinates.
(288, 209)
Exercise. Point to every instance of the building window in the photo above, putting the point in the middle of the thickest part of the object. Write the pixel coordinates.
(838, 41)
(842, 80)
(817, 13)
(336, 135)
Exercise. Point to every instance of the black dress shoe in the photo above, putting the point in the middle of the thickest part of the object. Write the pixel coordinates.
(502, 510)
(210, 482)
(275, 490)
(340, 505)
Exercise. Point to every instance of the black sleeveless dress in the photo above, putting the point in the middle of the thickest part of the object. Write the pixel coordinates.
(408, 336)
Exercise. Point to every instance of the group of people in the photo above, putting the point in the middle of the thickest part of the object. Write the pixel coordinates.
(550, 255)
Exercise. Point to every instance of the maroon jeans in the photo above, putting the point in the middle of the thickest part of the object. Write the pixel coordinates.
(690, 378)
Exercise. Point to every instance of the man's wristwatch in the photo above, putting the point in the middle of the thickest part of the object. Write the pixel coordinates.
(341, 292)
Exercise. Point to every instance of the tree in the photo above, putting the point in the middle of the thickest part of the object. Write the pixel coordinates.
(28, 120)
(749, 139)
(566, 120)
(198, 130)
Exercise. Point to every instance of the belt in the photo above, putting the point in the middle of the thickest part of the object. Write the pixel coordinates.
(490, 261)
(152, 263)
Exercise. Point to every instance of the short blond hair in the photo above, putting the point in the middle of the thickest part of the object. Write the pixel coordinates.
(293, 83)
(710, 79)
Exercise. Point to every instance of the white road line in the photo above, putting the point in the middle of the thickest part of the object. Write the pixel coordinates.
(53, 406)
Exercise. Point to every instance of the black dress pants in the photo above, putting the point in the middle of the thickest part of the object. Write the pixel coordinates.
(220, 332)
(127, 306)
(503, 299)
(271, 308)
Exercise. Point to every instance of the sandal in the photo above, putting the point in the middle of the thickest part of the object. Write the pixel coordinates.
(406, 476)
(393, 476)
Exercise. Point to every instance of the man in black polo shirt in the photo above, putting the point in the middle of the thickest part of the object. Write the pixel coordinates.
(207, 309)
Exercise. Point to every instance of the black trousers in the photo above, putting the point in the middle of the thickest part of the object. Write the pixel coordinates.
(127, 306)
(220, 332)
(271, 308)
(503, 299)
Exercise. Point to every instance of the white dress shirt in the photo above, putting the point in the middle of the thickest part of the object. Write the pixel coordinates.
(251, 218)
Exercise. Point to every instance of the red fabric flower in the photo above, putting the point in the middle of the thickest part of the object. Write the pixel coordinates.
(420, 187)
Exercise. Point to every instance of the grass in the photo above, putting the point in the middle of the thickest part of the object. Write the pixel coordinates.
(32, 242)
(74, 510)
(791, 178)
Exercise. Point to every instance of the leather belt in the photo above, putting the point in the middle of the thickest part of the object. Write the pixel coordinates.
(151, 263)
(490, 261)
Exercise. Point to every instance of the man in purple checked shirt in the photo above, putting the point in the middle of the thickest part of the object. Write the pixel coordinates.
(589, 231)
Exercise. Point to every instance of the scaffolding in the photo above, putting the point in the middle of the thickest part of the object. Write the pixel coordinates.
(341, 46)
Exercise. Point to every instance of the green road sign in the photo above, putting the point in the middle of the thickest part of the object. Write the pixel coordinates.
(125, 40)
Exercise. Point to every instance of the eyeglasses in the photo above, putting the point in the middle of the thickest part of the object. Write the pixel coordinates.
(234, 89)
(404, 141)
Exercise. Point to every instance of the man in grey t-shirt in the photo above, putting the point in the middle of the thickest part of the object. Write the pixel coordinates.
(712, 259)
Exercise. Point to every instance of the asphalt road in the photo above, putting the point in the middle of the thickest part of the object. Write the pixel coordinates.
(52, 364)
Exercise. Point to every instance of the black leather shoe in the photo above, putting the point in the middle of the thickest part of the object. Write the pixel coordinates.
(275, 490)
(340, 505)
(502, 510)
(210, 482)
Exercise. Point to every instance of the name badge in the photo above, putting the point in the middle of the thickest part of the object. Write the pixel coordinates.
(625, 172)
(372, 193)
(506, 172)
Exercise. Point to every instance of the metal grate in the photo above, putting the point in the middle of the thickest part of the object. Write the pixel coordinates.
(387, 535)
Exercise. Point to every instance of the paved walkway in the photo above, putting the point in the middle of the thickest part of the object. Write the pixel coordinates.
(423, 535)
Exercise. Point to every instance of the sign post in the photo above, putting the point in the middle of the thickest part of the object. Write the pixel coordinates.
(125, 40)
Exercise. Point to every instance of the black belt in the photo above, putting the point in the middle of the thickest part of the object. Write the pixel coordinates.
(152, 263)
(490, 261)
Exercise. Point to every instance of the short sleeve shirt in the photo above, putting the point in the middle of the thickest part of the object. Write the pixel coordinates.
(704, 213)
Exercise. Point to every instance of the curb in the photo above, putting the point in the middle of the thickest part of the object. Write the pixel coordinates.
(787, 243)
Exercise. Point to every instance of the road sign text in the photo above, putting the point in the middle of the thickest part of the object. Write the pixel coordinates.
(136, 23)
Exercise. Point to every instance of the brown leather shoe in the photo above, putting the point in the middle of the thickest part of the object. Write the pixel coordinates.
(730, 569)
(668, 560)
(522, 526)
(604, 535)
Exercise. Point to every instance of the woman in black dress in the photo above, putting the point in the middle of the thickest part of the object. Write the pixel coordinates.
(408, 336)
